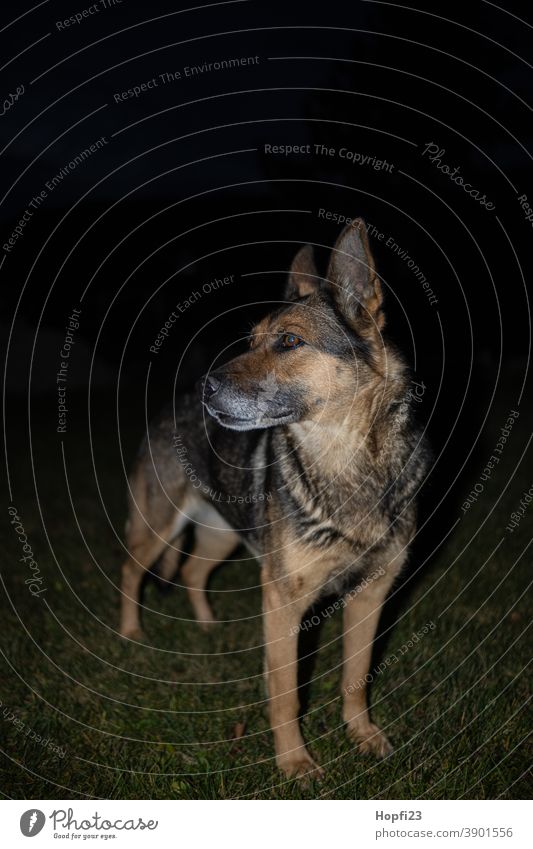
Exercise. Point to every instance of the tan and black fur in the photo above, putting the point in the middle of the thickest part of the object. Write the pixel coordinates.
(311, 423)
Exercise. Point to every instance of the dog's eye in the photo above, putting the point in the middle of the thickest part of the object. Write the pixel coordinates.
(290, 340)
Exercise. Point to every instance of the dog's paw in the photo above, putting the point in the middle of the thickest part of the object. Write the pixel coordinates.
(206, 625)
(370, 740)
(134, 634)
(300, 766)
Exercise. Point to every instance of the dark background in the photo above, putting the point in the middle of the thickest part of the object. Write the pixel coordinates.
(185, 193)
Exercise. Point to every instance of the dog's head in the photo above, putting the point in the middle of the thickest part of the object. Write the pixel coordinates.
(313, 355)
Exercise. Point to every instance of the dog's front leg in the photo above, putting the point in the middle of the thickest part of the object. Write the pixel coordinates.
(361, 617)
(282, 618)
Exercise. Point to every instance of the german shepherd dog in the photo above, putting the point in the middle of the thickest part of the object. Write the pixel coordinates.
(307, 452)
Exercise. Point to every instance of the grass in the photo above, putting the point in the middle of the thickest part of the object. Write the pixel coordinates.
(157, 721)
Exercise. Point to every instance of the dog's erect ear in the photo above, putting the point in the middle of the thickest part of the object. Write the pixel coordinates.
(303, 276)
(352, 276)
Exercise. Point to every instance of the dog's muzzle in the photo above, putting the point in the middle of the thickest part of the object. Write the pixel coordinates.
(225, 402)
(240, 409)
(209, 386)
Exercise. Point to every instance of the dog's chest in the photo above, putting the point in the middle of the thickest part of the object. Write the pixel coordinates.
(325, 508)
(323, 528)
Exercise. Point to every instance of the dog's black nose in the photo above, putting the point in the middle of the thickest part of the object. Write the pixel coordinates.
(211, 385)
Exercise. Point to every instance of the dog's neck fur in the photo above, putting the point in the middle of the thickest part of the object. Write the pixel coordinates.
(335, 441)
